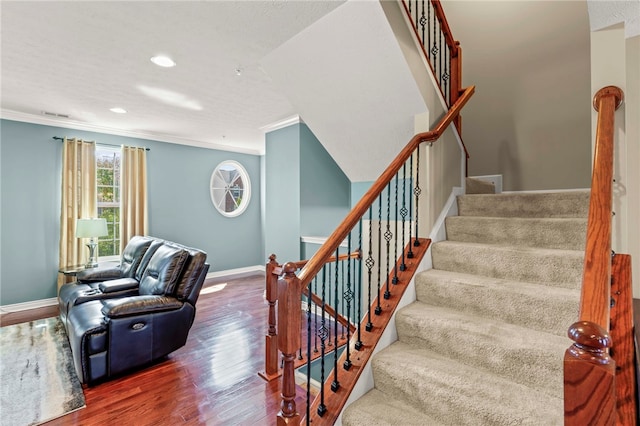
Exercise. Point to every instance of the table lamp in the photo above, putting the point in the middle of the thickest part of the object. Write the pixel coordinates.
(91, 228)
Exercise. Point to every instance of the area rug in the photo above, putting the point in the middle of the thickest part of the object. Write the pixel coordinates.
(37, 379)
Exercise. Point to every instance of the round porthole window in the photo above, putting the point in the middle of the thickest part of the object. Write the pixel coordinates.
(230, 188)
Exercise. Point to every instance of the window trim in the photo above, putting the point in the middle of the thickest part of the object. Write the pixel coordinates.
(246, 195)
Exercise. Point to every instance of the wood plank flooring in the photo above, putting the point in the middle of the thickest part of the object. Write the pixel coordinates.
(212, 380)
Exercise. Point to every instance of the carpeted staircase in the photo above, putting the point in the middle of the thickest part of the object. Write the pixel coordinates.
(484, 342)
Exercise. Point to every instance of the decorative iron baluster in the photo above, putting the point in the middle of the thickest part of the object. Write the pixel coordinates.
(329, 330)
(348, 296)
(378, 310)
(410, 251)
(416, 192)
(440, 56)
(434, 49)
(403, 212)
(358, 286)
(323, 334)
(427, 41)
(395, 241)
(342, 291)
(447, 74)
(309, 333)
(315, 316)
(388, 235)
(369, 264)
(335, 385)
(423, 21)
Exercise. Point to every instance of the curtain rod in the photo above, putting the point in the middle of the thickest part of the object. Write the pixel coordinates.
(58, 138)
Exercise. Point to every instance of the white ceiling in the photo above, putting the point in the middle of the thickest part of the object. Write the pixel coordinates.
(81, 58)
(354, 88)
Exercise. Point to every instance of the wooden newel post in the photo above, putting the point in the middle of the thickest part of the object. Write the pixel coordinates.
(271, 339)
(289, 326)
(589, 377)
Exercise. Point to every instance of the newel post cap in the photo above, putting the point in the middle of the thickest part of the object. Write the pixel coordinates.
(614, 91)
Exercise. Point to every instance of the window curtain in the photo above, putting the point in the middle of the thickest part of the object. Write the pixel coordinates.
(133, 194)
(79, 195)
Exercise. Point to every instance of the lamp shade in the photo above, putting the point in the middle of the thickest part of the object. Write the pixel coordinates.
(89, 228)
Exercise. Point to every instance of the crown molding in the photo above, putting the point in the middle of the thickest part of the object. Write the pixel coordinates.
(281, 124)
(77, 125)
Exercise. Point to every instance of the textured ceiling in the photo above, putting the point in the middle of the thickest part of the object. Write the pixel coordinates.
(603, 14)
(81, 58)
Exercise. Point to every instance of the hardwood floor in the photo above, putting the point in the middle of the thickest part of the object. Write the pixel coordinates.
(212, 380)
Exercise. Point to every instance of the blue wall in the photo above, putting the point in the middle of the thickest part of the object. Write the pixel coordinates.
(325, 191)
(307, 194)
(282, 198)
(179, 205)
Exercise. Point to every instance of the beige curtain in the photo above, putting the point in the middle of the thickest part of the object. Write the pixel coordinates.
(133, 194)
(79, 194)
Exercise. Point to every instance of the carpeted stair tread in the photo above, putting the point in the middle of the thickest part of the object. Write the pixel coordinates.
(376, 408)
(546, 308)
(456, 394)
(555, 204)
(501, 348)
(558, 267)
(556, 233)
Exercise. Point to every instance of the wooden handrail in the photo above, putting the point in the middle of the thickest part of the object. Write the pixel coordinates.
(301, 263)
(316, 262)
(589, 370)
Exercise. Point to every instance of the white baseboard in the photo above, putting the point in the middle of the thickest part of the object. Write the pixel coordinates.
(43, 303)
(25, 306)
(247, 270)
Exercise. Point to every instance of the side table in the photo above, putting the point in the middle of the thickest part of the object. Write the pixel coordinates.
(72, 271)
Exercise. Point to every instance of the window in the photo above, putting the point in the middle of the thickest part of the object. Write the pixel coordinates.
(230, 188)
(108, 182)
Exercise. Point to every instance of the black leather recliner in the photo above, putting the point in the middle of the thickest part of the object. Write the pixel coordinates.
(144, 313)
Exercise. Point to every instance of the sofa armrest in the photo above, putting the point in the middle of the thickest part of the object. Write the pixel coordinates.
(108, 271)
(121, 284)
(136, 305)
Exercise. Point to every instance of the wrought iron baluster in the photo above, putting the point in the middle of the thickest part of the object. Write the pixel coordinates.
(309, 333)
(330, 293)
(440, 73)
(323, 334)
(423, 22)
(343, 279)
(358, 287)
(410, 251)
(370, 264)
(395, 240)
(335, 385)
(427, 41)
(348, 296)
(416, 192)
(315, 315)
(434, 49)
(447, 74)
(388, 235)
(403, 212)
(378, 310)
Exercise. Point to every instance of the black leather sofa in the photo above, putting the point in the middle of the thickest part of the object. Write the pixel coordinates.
(126, 316)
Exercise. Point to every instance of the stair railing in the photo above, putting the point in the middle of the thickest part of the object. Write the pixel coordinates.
(382, 281)
(599, 371)
(442, 51)
(273, 271)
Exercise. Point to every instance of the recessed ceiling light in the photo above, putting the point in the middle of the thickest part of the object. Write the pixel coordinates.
(163, 61)
(118, 110)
